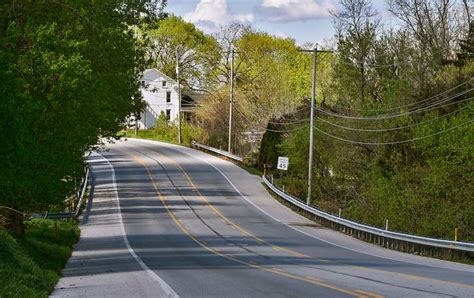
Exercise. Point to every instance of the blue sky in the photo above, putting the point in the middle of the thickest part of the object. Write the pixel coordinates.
(302, 20)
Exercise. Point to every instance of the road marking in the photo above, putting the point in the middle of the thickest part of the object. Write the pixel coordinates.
(166, 288)
(216, 211)
(408, 276)
(405, 275)
(210, 249)
(313, 278)
(370, 294)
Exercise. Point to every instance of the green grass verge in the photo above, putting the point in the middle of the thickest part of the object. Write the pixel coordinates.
(30, 265)
(149, 134)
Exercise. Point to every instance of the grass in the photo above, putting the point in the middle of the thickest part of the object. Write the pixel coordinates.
(467, 258)
(149, 134)
(31, 264)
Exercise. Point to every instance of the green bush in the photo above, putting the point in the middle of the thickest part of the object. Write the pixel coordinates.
(30, 265)
(166, 131)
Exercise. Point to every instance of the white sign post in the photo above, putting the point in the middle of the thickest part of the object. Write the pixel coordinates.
(282, 163)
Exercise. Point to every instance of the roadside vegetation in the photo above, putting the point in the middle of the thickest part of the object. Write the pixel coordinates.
(165, 131)
(31, 264)
(394, 111)
(68, 78)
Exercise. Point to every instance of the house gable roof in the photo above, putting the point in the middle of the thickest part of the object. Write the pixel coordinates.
(153, 74)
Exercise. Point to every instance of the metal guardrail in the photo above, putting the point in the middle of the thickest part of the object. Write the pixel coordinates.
(218, 151)
(82, 193)
(58, 215)
(72, 214)
(425, 241)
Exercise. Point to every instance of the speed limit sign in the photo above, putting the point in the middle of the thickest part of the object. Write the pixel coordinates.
(282, 163)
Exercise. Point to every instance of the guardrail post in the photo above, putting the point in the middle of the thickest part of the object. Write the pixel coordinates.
(283, 188)
(381, 236)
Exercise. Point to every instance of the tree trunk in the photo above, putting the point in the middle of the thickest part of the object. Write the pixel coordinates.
(15, 223)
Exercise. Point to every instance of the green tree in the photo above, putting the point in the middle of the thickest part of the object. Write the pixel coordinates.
(177, 41)
(68, 77)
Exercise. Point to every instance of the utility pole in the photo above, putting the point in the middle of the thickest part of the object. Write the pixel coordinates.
(179, 97)
(315, 52)
(231, 98)
(311, 130)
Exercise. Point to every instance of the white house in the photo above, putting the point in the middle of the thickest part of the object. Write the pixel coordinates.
(161, 95)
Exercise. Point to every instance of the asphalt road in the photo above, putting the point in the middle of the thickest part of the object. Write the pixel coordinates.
(165, 220)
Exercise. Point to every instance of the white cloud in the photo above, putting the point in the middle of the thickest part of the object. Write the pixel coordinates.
(212, 13)
(294, 10)
(280, 34)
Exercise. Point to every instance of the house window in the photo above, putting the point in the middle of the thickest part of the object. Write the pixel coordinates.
(163, 84)
(168, 96)
(168, 114)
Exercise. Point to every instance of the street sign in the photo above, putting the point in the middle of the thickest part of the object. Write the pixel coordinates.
(282, 163)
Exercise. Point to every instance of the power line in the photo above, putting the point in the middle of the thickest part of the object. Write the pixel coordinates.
(408, 105)
(394, 142)
(289, 122)
(393, 128)
(274, 130)
(286, 130)
(365, 64)
(396, 115)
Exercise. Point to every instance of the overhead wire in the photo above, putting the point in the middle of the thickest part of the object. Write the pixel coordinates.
(287, 130)
(392, 128)
(274, 130)
(289, 122)
(396, 115)
(393, 142)
(365, 64)
(410, 104)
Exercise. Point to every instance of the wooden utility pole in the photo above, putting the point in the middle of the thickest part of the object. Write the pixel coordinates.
(311, 130)
(179, 98)
(231, 99)
(315, 52)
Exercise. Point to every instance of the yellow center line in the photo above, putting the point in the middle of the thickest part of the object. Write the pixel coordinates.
(216, 252)
(312, 278)
(295, 253)
(370, 294)
(227, 220)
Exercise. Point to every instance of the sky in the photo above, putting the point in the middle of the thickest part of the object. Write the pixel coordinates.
(302, 20)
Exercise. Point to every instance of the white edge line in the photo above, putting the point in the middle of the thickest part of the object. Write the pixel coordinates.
(298, 230)
(420, 262)
(166, 288)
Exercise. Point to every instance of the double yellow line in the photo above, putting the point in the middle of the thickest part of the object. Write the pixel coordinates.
(295, 253)
(186, 231)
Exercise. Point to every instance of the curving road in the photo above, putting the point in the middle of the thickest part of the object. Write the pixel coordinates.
(165, 220)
